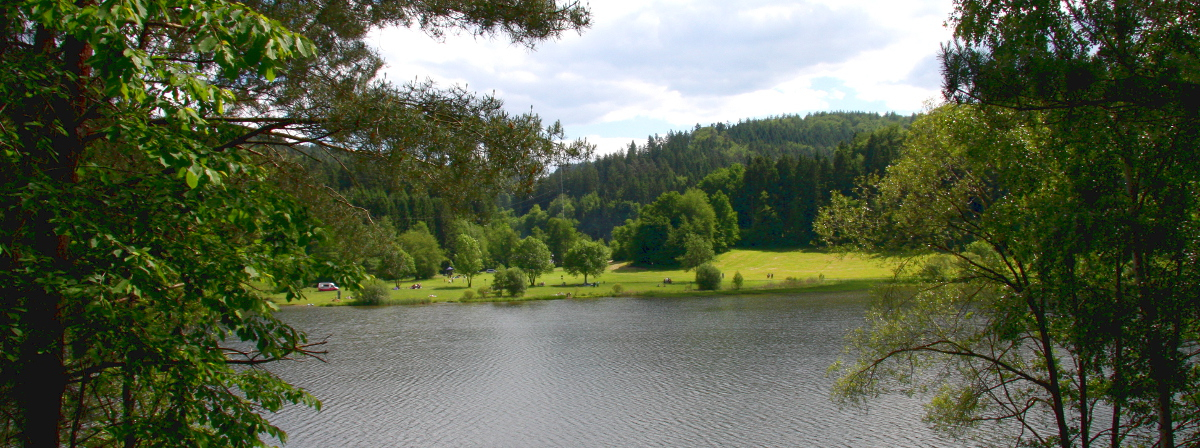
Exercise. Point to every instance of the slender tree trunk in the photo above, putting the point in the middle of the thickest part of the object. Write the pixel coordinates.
(1060, 418)
(127, 404)
(1161, 372)
(41, 375)
(1085, 421)
(1118, 384)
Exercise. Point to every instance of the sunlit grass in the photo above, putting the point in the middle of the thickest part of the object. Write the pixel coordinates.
(791, 270)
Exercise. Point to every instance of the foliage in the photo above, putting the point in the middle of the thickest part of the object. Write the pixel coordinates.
(560, 236)
(658, 237)
(468, 260)
(1023, 322)
(738, 280)
(587, 258)
(468, 295)
(511, 280)
(395, 263)
(617, 289)
(1115, 86)
(708, 277)
(150, 187)
(697, 251)
(426, 253)
(797, 170)
(533, 257)
(375, 293)
(726, 234)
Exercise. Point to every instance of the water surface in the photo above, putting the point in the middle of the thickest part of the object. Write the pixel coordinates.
(736, 371)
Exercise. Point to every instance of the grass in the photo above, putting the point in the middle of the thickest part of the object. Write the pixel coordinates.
(792, 270)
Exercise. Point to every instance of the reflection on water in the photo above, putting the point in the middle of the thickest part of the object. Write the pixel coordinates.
(740, 371)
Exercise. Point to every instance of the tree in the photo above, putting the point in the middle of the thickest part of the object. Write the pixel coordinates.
(146, 193)
(659, 234)
(1022, 320)
(395, 264)
(587, 258)
(560, 237)
(697, 251)
(726, 233)
(708, 277)
(511, 280)
(1116, 84)
(427, 254)
(502, 241)
(532, 257)
(468, 261)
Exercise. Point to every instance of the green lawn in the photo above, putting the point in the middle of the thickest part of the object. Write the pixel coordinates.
(807, 269)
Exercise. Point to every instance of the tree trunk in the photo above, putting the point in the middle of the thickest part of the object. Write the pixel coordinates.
(1060, 418)
(40, 374)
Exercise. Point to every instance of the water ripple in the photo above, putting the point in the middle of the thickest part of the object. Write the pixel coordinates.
(746, 371)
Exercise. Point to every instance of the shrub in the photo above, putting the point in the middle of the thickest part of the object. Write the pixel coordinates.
(373, 294)
(514, 281)
(468, 295)
(708, 277)
(484, 291)
(617, 289)
(738, 280)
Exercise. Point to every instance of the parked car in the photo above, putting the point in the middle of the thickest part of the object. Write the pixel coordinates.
(327, 286)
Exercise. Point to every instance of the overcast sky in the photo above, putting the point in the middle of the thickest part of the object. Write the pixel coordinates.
(650, 66)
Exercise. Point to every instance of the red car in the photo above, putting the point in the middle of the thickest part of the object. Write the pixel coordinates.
(326, 286)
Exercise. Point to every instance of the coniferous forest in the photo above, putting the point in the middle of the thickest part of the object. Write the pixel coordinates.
(763, 179)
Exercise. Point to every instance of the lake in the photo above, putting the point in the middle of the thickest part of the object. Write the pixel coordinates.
(733, 371)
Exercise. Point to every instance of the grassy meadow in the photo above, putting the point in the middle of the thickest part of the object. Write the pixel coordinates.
(790, 270)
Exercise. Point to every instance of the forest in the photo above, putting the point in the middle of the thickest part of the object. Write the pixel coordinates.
(755, 184)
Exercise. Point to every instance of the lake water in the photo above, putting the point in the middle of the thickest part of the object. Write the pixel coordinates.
(620, 372)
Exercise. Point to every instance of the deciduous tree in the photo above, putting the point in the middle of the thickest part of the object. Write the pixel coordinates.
(144, 147)
(533, 257)
(467, 258)
(587, 258)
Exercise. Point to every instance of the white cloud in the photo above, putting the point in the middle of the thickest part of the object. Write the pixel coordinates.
(675, 63)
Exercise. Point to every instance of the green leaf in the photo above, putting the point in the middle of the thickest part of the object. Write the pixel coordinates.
(192, 179)
(208, 44)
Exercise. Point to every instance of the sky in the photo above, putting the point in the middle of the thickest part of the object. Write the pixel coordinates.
(648, 67)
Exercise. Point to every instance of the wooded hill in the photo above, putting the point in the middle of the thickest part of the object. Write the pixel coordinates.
(776, 172)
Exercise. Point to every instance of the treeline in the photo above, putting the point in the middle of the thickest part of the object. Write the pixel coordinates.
(757, 183)
(775, 173)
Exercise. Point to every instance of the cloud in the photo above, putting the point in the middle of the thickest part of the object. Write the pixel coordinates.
(650, 66)
(719, 48)
(927, 73)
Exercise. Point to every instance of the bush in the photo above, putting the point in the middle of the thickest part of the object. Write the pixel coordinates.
(514, 281)
(468, 295)
(708, 277)
(617, 289)
(373, 294)
(484, 291)
(738, 280)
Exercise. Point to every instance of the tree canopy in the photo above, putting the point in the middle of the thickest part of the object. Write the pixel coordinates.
(1061, 197)
(532, 256)
(149, 195)
(587, 258)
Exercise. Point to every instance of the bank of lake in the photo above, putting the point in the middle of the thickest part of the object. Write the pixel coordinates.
(763, 271)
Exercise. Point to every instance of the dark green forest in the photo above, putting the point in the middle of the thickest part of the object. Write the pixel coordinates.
(773, 174)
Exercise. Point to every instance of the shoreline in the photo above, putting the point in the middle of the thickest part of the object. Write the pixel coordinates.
(588, 292)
